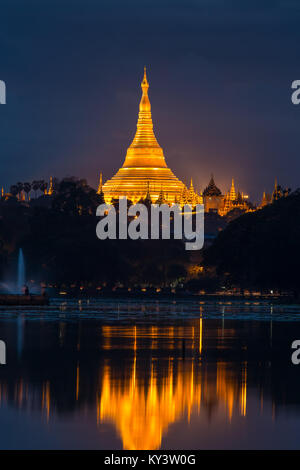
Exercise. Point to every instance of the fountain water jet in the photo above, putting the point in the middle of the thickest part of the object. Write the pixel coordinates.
(14, 296)
(21, 271)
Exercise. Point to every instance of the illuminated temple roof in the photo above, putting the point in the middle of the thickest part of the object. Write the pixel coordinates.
(212, 190)
(144, 169)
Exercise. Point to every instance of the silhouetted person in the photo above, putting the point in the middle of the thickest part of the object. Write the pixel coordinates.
(26, 290)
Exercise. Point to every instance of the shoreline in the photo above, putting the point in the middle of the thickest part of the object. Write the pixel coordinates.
(39, 300)
(165, 296)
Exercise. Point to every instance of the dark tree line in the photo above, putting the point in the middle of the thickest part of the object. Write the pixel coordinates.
(61, 245)
(261, 249)
(255, 250)
(35, 186)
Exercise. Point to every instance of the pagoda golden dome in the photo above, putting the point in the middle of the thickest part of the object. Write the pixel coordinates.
(144, 169)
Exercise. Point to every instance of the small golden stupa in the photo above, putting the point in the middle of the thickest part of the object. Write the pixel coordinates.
(145, 170)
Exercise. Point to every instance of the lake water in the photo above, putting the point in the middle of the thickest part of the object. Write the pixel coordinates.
(101, 374)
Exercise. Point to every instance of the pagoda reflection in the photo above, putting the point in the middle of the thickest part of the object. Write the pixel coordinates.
(142, 407)
(142, 379)
(142, 411)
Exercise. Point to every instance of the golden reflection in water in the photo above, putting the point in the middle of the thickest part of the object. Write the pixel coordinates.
(244, 392)
(46, 399)
(77, 380)
(142, 409)
(142, 398)
(200, 330)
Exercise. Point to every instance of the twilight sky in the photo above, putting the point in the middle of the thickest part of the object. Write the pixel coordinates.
(220, 74)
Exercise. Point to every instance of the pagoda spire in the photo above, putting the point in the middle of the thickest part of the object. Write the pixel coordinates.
(145, 84)
(144, 162)
(264, 200)
(161, 198)
(144, 136)
(148, 195)
(100, 184)
(232, 191)
(50, 190)
(212, 190)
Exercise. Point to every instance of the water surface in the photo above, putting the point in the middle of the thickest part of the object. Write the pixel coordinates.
(104, 374)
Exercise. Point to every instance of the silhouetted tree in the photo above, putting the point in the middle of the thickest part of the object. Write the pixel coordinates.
(27, 189)
(261, 249)
(43, 186)
(20, 188)
(14, 190)
(35, 186)
(76, 197)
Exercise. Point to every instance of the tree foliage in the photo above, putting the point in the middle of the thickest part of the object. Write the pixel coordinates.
(261, 249)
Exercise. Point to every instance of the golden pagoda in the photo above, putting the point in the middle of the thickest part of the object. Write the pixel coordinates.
(50, 190)
(144, 169)
(232, 193)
